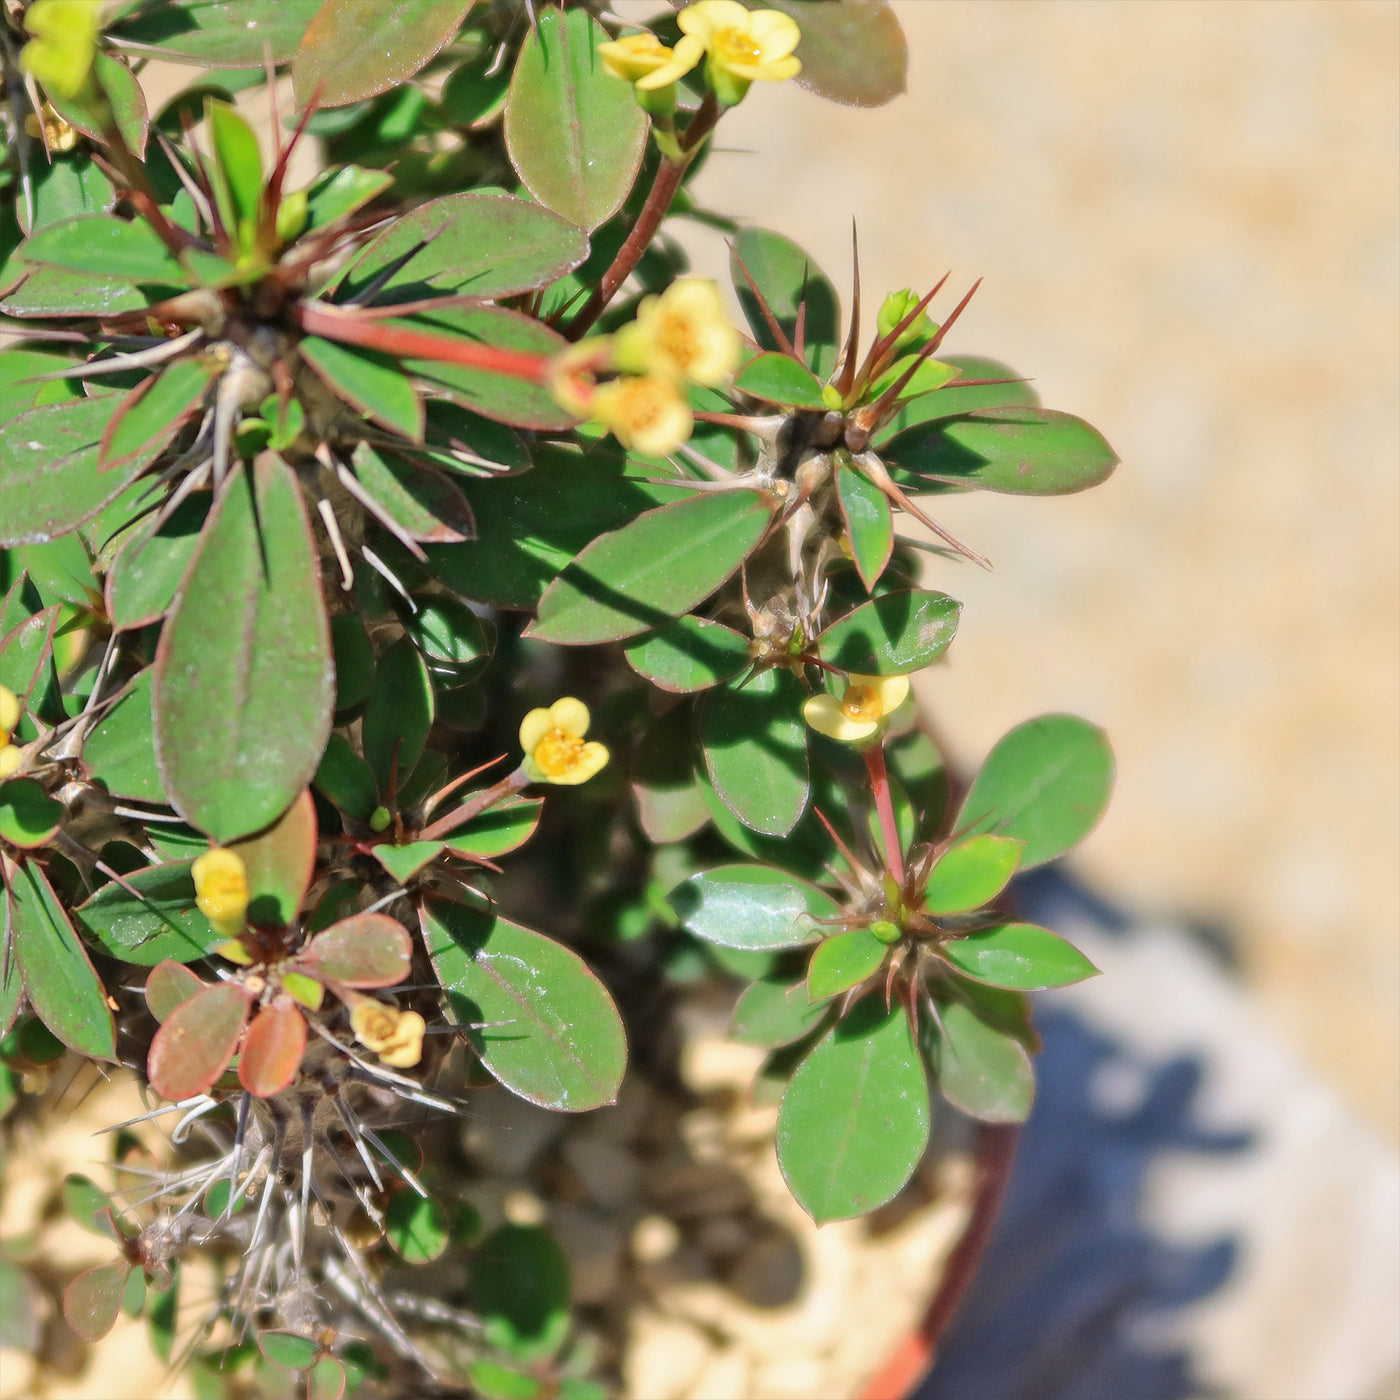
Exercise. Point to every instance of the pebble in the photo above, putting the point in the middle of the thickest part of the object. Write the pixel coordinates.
(654, 1238)
(607, 1172)
(593, 1243)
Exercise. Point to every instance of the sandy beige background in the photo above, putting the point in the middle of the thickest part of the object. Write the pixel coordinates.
(1186, 215)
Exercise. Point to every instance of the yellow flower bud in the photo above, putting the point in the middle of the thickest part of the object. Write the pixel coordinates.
(742, 45)
(221, 890)
(682, 333)
(645, 412)
(861, 709)
(395, 1036)
(9, 713)
(64, 45)
(644, 61)
(554, 748)
(11, 756)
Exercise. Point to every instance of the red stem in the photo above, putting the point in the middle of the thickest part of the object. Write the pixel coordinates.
(902, 1372)
(884, 805)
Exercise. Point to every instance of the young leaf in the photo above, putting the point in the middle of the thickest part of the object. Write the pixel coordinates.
(854, 1120)
(196, 1042)
(169, 985)
(244, 681)
(971, 874)
(892, 635)
(66, 993)
(751, 907)
(288, 1349)
(843, 961)
(958, 397)
(354, 49)
(688, 654)
(780, 379)
(1023, 957)
(559, 1041)
(278, 863)
(652, 570)
(786, 277)
(574, 133)
(338, 192)
(756, 751)
(238, 174)
(91, 1302)
(404, 862)
(365, 951)
(85, 1201)
(981, 1070)
(272, 1050)
(1046, 783)
(869, 523)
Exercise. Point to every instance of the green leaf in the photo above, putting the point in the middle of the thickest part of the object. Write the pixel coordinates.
(355, 49)
(279, 862)
(688, 654)
(288, 1349)
(1022, 451)
(170, 984)
(29, 817)
(49, 478)
(530, 526)
(843, 961)
(163, 1316)
(154, 412)
(121, 99)
(398, 715)
(145, 575)
(869, 523)
(197, 1040)
(336, 193)
(502, 828)
(477, 245)
(1022, 957)
(751, 907)
(238, 174)
(971, 874)
(66, 993)
(520, 1286)
(560, 1042)
(422, 502)
(854, 1121)
(574, 133)
(346, 779)
(150, 917)
(91, 1302)
(368, 381)
(756, 751)
(26, 663)
(106, 246)
(958, 397)
(780, 379)
(497, 1382)
(981, 1070)
(354, 660)
(50, 291)
(244, 681)
(84, 1201)
(775, 1010)
(218, 33)
(447, 632)
(1046, 783)
(404, 862)
(852, 54)
(416, 1227)
(785, 276)
(892, 635)
(655, 568)
(473, 94)
(120, 751)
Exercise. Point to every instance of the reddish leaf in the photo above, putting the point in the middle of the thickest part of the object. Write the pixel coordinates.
(169, 985)
(365, 950)
(193, 1048)
(272, 1051)
(91, 1301)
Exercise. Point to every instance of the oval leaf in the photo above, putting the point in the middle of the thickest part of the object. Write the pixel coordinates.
(853, 54)
(416, 1227)
(143, 579)
(653, 569)
(150, 916)
(869, 523)
(982, 1070)
(170, 985)
(109, 247)
(574, 133)
(560, 1042)
(688, 654)
(365, 950)
(92, 1300)
(774, 1011)
(892, 635)
(843, 961)
(244, 682)
(971, 874)
(767, 268)
(1024, 957)
(780, 379)
(194, 1046)
(399, 714)
(278, 863)
(29, 817)
(219, 33)
(272, 1050)
(1046, 783)
(751, 907)
(854, 1120)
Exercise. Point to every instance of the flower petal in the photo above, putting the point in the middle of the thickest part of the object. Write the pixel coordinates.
(533, 728)
(825, 715)
(570, 715)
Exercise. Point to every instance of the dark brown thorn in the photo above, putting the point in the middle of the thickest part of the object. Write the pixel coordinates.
(777, 332)
(448, 789)
(840, 844)
(881, 477)
(848, 357)
(956, 312)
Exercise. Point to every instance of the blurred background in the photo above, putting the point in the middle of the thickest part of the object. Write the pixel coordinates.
(1186, 216)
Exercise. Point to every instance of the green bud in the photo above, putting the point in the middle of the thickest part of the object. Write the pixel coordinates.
(291, 216)
(379, 819)
(895, 308)
(831, 397)
(885, 931)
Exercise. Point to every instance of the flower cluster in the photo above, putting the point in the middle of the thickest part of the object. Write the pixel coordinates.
(10, 754)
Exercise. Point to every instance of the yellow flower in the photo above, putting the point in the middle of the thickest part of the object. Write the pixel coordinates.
(645, 62)
(221, 890)
(743, 45)
(395, 1036)
(683, 333)
(9, 713)
(646, 412)
(867, 702)
(554, 747)
(64, 45)
(11, 756)
(57, 135)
